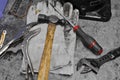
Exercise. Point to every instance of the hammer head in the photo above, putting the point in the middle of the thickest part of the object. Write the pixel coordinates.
(89, 65)
(52, 18)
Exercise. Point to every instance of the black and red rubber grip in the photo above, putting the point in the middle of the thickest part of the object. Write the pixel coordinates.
(88, 41)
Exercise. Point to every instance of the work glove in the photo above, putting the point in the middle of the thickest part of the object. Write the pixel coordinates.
(62, 59)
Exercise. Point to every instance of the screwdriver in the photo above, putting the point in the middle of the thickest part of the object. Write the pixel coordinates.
(88, 41)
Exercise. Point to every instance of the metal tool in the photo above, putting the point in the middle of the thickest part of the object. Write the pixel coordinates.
(46, 19)
(87, 40)
(24, 48)
(44, 68)
(20, 8)
(3, 36)
(95, 64)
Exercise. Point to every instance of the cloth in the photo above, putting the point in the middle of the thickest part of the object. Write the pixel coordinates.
(62, 60)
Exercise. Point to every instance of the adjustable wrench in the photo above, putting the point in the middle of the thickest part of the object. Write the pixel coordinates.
(94, 64)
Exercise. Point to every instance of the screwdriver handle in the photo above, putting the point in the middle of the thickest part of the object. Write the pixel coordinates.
(88, 41)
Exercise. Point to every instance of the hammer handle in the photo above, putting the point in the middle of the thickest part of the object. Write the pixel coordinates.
(46, 56)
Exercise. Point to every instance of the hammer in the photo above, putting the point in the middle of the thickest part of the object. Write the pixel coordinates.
(52, 21)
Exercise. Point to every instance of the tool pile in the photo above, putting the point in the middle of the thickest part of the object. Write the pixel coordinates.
(48, 37)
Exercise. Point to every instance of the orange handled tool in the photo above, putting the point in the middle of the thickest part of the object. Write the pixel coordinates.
(46, 56)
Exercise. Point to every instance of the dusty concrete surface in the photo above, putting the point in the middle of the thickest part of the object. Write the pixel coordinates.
(107, 34)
